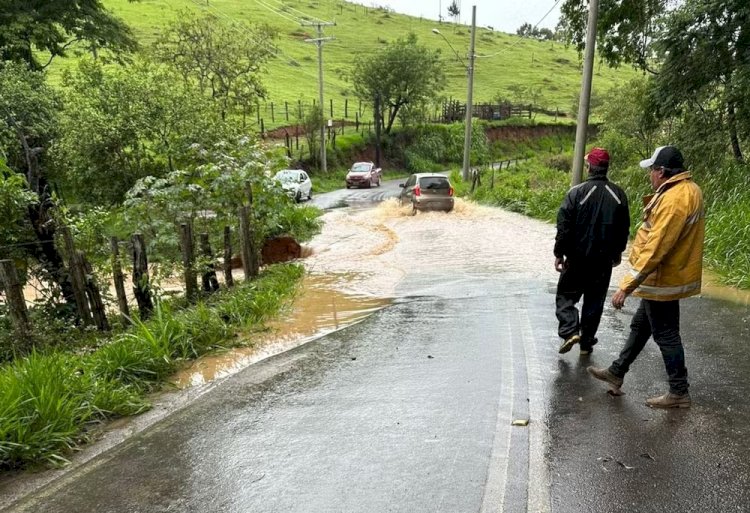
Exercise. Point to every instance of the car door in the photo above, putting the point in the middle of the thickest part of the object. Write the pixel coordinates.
(305, 183)
(408, 191)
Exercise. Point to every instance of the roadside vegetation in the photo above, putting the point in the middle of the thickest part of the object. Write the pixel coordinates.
(52, 400)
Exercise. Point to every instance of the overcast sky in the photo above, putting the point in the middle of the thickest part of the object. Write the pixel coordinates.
(504, 15)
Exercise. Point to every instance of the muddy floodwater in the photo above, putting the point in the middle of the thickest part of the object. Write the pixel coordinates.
(361, 259)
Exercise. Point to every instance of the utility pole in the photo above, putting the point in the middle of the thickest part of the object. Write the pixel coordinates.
(585, 99)
(469, 97)
(319, 42)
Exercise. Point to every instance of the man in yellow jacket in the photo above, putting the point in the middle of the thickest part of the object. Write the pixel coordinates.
(666, 265)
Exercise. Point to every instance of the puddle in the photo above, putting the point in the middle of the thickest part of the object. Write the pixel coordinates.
(713, 288)
(318, 309)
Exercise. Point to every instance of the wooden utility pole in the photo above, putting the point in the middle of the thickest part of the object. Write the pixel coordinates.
(585, 99)
(319, 42)
(469, 97)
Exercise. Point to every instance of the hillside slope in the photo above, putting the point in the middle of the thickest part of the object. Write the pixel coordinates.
(511, 61)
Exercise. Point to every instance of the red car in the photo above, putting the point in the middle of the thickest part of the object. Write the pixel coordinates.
(363, 174)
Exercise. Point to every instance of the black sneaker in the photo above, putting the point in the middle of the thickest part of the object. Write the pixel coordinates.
(587, 345)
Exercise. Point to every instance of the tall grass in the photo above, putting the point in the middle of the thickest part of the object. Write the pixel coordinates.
(47, 400)
(536, 190)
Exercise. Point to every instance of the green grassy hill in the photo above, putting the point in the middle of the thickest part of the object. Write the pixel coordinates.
(292, 76)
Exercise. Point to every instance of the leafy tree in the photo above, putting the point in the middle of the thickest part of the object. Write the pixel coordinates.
(122, 123)
(225, 60)
(52, 27)
(311, 121)
(626, 29)
(696, 50)
(28, 125)
(631, 130)
(706, 60)
(403, 73)
(454, 10)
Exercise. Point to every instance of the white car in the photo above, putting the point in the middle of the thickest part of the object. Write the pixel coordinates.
(296, 183)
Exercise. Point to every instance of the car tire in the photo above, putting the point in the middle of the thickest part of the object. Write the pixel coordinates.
(309, 194)
(369, 184)
(413, 209)
(298, 197)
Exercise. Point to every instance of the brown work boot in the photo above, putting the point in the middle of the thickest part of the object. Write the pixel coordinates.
(670, 400)
(569, 343)
(605, 375)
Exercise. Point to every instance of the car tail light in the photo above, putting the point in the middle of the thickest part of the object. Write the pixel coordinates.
(450, 191)
(417, 191)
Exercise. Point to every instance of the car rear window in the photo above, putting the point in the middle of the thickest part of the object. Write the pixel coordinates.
(434, 182)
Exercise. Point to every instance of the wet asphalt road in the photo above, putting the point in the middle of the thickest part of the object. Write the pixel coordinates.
(363, 198)
(411, 411)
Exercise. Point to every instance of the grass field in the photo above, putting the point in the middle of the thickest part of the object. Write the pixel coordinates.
(292, 76)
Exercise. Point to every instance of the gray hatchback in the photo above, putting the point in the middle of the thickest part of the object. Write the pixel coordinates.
(427, 191)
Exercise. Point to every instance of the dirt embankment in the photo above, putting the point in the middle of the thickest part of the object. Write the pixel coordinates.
(526, 133)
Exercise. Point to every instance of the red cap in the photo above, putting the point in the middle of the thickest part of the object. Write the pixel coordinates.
(597, 157)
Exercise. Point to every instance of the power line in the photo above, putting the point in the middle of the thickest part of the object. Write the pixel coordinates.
(278, 13)
(520, 38)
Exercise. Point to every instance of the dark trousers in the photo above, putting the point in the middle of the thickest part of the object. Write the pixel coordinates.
(587, 279)
(662, 320)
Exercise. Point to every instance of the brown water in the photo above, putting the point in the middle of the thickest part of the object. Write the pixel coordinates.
(362, 257)
(319, 308)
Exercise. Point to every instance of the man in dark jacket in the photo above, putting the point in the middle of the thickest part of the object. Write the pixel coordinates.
(592, 231)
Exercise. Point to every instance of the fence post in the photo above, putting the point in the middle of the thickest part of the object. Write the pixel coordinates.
(77, 277)
(95, 297)
(122, 298)
(286, 110)
(14, 297)
(262, 129)
(141, 286)
(346, 108)
(356, 121)
(273, 119)
(228, 278)
(331, 108)
(248, 249)
(188, 259)
(209, 280)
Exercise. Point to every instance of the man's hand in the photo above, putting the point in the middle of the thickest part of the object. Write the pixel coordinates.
(560, 264)
(618, 300)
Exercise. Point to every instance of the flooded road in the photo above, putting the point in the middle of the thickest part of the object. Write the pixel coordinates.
(410, 408)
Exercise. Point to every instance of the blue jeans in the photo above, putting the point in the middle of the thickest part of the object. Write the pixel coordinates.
(662, 320)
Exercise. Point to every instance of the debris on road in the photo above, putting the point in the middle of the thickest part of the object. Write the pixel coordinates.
(520, 422)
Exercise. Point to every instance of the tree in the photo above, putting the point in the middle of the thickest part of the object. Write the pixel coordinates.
(225, 60)
(626, 29)
(454, 11)
(54, 26)
(696, 51)
(122, 123)
(28, 125)
(403, 73)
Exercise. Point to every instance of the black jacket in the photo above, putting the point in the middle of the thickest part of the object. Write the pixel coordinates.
(593, 222)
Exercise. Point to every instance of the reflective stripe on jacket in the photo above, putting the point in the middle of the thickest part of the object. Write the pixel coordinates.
(593, 222)
(667, 255)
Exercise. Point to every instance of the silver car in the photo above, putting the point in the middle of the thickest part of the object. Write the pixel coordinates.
(427, 191)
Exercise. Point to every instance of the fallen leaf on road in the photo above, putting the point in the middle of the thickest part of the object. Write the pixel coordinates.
(520, 422)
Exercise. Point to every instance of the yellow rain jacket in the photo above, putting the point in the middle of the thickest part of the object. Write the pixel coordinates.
(667, 255)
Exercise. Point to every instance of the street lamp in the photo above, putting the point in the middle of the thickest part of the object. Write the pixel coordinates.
(470, 90)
